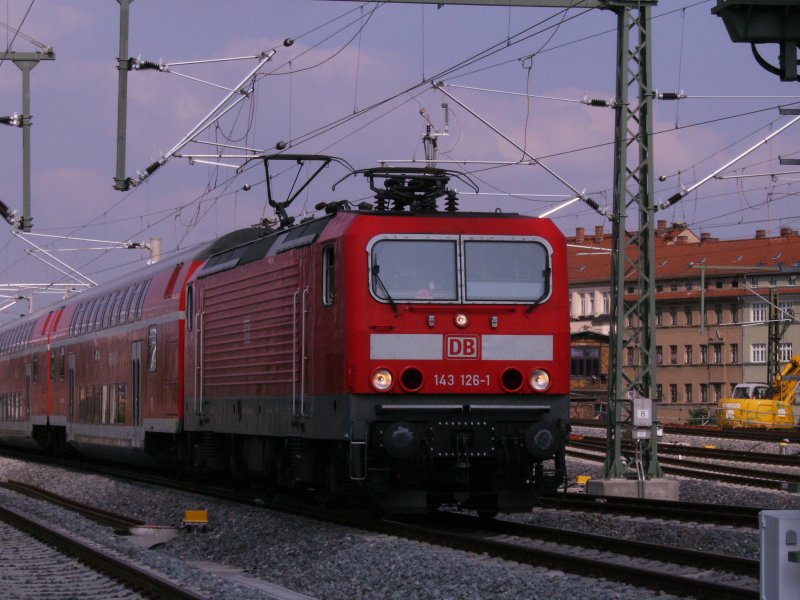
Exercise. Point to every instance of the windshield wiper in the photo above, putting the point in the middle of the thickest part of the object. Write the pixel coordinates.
(546, 272)
(375, 270)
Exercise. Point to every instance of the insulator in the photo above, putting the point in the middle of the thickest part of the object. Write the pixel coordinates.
(143, 65)
(671, 96)
(597, 102)
(451, 204)
(593, 203)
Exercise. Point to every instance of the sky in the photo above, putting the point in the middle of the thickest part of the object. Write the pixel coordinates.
(314, 95)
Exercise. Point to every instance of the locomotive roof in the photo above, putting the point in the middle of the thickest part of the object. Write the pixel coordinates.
(265, 245)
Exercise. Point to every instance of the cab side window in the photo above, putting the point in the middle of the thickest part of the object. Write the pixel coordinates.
(328, 281)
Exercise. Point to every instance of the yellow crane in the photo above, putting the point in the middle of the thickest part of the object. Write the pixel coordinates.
(756, 405)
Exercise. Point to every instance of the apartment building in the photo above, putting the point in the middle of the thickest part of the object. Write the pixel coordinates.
(712, 310)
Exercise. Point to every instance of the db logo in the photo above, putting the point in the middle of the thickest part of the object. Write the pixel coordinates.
(461, 346)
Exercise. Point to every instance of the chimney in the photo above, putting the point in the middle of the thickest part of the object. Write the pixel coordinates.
(579, 235)
(662, 227)
(598, 233)
(761, 234)
(704, 237)
(787, 231)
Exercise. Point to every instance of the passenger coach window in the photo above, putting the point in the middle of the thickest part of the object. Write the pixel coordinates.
(414, 269)
(189, 308)
(152, 340)
(327, 276)
(511, 271)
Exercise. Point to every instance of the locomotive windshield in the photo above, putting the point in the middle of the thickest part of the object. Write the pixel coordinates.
(504, 271)
(414, 269)
(417, 268)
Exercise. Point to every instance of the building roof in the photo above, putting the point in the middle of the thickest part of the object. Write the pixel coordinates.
(679, 254)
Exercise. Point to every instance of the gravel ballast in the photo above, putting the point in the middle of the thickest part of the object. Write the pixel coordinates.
(329, 561)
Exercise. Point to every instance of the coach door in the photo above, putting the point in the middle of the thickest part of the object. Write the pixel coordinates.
(26, 408)
(194, 341)
(71, 375)
(136, 391)
(300, 307)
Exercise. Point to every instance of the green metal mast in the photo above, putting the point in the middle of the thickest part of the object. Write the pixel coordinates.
(26, 61)
(632, 332)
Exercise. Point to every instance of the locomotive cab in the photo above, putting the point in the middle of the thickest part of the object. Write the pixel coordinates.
(457, 356)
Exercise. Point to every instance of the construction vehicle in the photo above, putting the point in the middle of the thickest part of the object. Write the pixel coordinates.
(756, 405)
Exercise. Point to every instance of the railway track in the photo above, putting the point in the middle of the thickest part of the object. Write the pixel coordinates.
(97, 560)
(774, 480)
(709, 453)
(653, 566)
(735, 516)
(766, 435)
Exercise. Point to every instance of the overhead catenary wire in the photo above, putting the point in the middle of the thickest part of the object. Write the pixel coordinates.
(209, 194)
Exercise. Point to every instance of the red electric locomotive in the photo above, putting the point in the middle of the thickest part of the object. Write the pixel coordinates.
(422, 353)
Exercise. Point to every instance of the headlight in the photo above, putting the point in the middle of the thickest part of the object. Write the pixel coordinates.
(461, 320)
(382, 379)
(539, 380)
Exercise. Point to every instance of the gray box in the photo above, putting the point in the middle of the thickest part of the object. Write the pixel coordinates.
(642, 412)
(780, 554)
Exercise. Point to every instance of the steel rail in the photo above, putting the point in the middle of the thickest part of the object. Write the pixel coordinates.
(135, 577)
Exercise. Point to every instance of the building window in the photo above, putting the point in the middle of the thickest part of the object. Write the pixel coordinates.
(689, 286)
(785, 310)
(687, 354)
(773, 281)
(718, 313)
(735, 353)
(659, 318)
(687, 392)
(718, 284)
(734, 283)
(785, 352)
(703, 392)
(629, 357)
(734, 313)
(673, 393)
(659, 356)
(753, 281)
(759, 311)
(606, 303)
(703, 354)
(674, 287)
(791, 279)
(583, 304)
(758, 353)
(673, 313)
(717, 348)
(717, 391)
(659, 391)
(687, 313)
(585, 362)
(673, 355)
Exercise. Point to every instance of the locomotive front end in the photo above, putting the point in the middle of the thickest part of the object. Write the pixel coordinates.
(460, 371)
